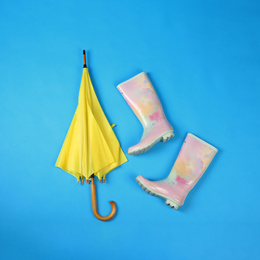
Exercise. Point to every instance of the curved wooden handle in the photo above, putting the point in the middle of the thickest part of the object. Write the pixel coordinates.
(94, 204)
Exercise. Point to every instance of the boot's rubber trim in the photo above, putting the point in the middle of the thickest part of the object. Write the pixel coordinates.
(170, 202)
(131, 79)
(202, 141)
(163, 138)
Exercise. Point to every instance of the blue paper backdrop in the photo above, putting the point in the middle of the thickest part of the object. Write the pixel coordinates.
(204, 61)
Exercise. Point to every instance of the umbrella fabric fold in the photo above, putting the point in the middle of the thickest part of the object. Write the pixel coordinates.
(90, 146)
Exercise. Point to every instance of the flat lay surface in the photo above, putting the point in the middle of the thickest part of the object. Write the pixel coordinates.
(203, 60)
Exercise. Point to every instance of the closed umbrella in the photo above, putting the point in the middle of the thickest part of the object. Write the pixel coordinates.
(90, 147)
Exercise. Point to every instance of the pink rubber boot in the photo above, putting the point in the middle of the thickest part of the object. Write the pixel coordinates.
(142, 98)
(192, 161)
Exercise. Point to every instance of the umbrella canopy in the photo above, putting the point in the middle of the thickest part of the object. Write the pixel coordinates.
(90, 147)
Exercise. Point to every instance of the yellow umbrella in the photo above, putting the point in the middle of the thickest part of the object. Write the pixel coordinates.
(90, 147)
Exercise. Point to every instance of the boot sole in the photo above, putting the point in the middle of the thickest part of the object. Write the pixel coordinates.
(163, 138)
(168, 201)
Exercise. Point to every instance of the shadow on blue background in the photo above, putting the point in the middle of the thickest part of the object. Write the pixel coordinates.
(203, 59)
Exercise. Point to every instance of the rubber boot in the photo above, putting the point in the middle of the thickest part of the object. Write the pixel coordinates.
(142, 98)
(192, 161)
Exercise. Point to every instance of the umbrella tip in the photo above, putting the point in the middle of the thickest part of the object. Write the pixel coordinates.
(84, 59)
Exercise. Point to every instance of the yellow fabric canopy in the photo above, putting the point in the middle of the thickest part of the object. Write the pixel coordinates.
(90, 146)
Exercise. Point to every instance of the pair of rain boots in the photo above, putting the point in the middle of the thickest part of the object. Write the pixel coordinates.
(195, 154)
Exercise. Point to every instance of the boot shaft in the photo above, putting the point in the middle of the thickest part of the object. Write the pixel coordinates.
(140, 95)
(192, 161)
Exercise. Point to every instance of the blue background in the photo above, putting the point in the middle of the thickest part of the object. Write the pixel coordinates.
(203, 59)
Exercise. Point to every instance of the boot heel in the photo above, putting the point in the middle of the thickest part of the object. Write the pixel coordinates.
(173, 204)
(167, 136)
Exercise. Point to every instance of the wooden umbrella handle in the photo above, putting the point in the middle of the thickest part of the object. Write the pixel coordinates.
(94, 204)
